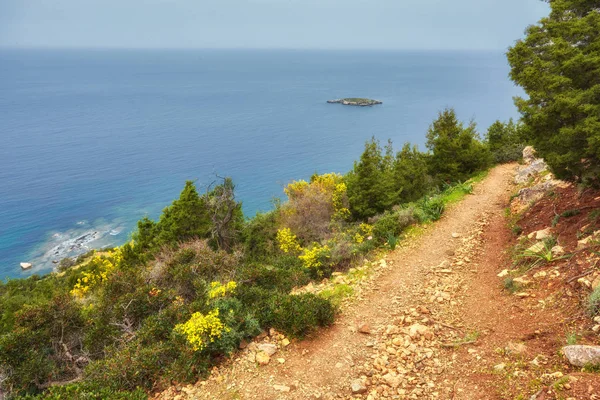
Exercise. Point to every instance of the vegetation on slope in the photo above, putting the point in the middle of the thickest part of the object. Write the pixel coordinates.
(558, 66)
(191, 286)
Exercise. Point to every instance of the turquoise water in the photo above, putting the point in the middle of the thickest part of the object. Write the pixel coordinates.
(91, 141)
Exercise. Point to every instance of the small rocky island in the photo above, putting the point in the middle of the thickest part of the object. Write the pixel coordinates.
(356, 101)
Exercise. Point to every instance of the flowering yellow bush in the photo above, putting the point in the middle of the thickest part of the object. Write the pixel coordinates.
(288, 242)
(217, 289)
(314, 256)
(201, 329)
(295, 188)
(106, 263)
(339, 194)
(365, 231)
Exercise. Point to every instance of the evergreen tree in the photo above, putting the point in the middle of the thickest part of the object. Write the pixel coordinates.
(558, 65)
(410, 176)
(225, 213)
(456, 151)
(186, 218)
(369, 182)
(505, 141)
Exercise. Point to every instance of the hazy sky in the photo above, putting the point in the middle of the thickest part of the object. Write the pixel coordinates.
(375, 24)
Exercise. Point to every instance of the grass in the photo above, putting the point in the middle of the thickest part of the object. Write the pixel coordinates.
(511, 286)
(593, 302)
(572, 338)
(564, 214)
(337, 294)
(541, 255)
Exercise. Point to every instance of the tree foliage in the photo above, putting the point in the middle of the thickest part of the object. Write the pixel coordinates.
(558, 66)
(456, 151)
(506, 141)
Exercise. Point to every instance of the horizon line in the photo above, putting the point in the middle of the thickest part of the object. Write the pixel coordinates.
(406, 49)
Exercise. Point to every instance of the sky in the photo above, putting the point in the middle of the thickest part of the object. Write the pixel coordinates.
(292, 24)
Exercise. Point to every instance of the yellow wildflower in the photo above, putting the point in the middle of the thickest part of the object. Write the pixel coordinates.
(201, 329)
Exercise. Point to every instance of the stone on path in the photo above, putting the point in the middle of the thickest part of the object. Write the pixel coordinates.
(262, 358)
(268, 348)
(358, 387)
(581, 355)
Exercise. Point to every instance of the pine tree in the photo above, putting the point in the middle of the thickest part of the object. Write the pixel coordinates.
(456, 151)
(369, 182)
(410, 175)
(558, 66)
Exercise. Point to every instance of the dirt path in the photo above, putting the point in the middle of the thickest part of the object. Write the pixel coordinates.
(436, 316)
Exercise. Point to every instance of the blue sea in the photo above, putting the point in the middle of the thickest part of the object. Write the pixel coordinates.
(93, 140)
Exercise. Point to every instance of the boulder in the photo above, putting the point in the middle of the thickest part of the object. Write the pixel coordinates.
(25, 265)
(532, 194)
(528, 154)
(582, 355)
(532, 170)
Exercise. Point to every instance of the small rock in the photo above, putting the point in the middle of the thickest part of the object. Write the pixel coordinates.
(25, 265)
(261, 335)
(536, 248)
(516, 348)
(558, 251)
(281, 360)
(281, 388)
(417, 330)
(358, 387)
(243, 344)
(392, 380)
(364, 328)
(543, 234)
(268, 348)
(499, 367)
(262, 358)
(503, 273)
(581, 355)
(455, 235)
(285, 342)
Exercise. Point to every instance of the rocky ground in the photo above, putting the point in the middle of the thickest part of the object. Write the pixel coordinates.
(436, 319)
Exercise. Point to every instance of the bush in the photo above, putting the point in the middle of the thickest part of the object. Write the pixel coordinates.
(392, 223)
(313, 206)
(593, 302)
(297, 315)
(259, 235)
(85, 391)
(430, 209)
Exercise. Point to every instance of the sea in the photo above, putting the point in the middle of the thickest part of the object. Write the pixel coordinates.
(93, 140)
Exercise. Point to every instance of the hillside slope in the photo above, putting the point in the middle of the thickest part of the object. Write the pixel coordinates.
(438, 288)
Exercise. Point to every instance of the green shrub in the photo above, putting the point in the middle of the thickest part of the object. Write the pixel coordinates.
(392, 223)
(297, 315)
(86, 391)
(593, 302)
(259, 235)
(430, 209)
